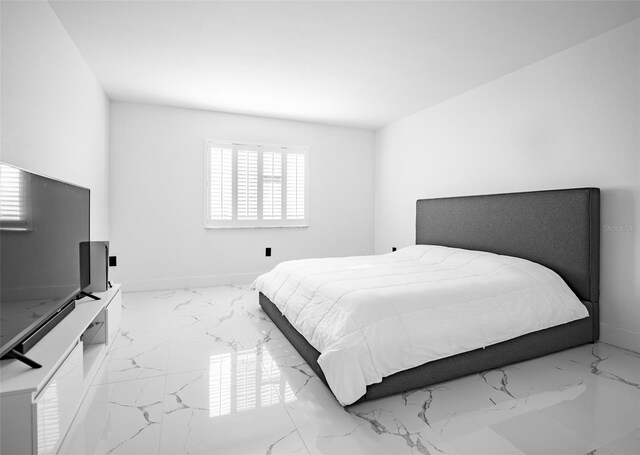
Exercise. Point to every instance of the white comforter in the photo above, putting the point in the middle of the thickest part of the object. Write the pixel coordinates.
(372, 316)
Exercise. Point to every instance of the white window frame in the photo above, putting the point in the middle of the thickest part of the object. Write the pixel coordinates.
(235, 223)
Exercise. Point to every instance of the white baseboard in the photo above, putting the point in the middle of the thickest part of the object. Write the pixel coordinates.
(188, 282)
(624, 338)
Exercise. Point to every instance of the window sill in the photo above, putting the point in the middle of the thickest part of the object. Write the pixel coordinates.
(286, 226)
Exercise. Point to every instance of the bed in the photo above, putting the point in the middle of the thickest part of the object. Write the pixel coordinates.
(558, 229)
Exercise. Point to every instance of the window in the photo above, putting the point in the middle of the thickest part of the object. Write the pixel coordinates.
(255, 185)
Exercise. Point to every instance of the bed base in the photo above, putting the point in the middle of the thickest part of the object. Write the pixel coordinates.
(525, 347)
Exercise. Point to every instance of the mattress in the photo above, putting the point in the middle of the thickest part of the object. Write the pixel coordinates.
(373, 316)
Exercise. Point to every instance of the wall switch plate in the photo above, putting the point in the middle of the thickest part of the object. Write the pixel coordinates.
(393, 248)
(267, 252)
(112, 261)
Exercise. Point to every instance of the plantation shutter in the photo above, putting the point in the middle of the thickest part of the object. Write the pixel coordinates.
(220, 182)
(271, 185)
(296, 186)
(247, 185)
(253, 185)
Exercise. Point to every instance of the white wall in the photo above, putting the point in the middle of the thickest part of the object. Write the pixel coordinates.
(570, 120)
(54, 113)
(157, 197)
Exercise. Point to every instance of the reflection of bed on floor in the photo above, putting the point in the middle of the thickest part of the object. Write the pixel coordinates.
(558, 229)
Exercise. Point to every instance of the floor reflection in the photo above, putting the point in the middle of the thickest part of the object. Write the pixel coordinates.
(220, 385)
(245, 380)
(278, 380)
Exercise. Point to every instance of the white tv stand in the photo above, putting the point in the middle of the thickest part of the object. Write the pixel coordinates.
(38, 405)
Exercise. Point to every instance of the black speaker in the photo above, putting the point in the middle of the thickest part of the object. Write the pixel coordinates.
(94, 266)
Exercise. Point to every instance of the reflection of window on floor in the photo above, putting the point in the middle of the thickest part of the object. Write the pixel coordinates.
(277, 379)
(219, 385)
(246, 367)
(239, 381)
(48, 419)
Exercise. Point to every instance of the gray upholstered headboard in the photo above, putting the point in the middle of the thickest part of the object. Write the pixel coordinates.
(559, 229)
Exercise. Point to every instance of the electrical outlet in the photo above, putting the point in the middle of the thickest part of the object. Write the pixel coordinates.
(112, 261)
(393, 248)
(267, 252)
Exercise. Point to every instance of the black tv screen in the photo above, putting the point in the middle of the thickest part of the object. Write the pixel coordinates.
(42, 223)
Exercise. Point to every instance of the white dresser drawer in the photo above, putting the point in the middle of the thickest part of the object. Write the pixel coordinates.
(58, 402)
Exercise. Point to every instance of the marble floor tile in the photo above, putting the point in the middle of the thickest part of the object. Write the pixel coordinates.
(118, 418)
(206, 371)
(599, 414)
(380, 426)
(134, 356)
(627, 444)
(615, 366)
(534, 433)
(226, 409)
(196, 354)
(484, 442)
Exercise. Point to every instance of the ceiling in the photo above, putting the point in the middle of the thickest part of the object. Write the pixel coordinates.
(361, 64)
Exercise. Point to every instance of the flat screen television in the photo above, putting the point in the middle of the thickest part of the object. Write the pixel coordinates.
(43, 221)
